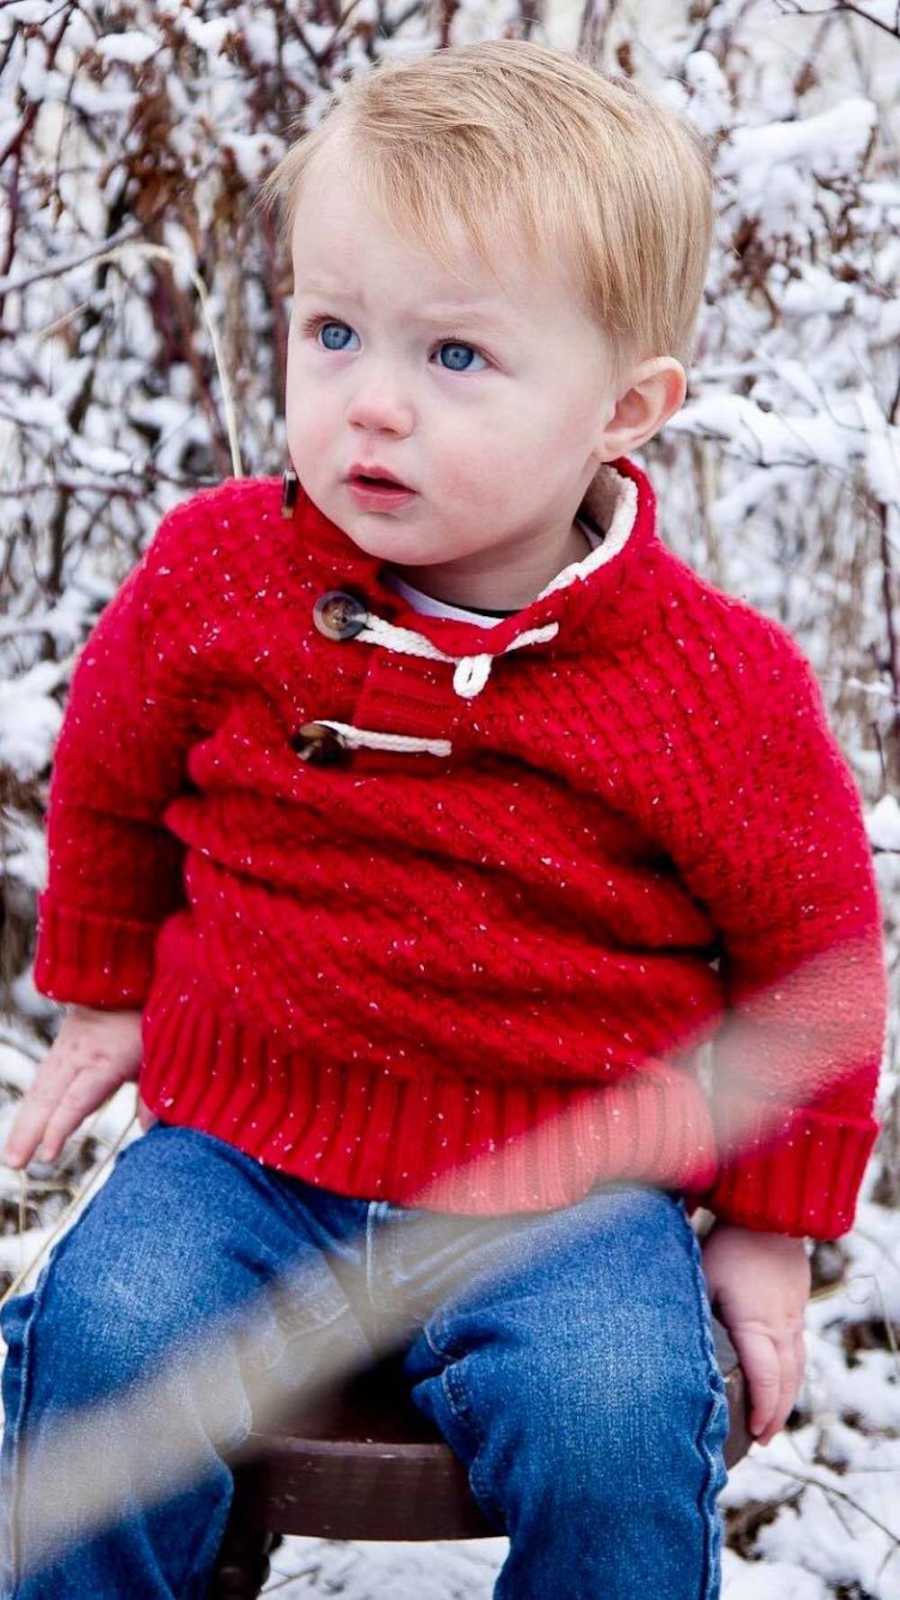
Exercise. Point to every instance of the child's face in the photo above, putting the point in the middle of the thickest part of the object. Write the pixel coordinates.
(487, 402)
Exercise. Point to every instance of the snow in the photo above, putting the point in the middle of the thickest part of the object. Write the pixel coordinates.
(782, 479)
(134, 47)
(26, 857)
(828, 144)
(28, 10)
(833, 438)
(254, 154)
(834, 1530)
(709, 103)
(884, 823)
(465, 1569)
(209, 36)
(100, 458)
(784, 1580)
(41, 84)
(29, 719)
(42, 411)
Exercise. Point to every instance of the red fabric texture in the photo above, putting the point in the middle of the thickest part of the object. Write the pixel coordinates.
(614, 919)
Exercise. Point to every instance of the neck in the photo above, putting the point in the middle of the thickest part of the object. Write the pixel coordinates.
(460, 588)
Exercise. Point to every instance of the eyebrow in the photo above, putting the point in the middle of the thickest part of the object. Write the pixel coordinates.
(482, 311)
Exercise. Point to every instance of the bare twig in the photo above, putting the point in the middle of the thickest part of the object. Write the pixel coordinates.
(17, 282)
(840, 1494)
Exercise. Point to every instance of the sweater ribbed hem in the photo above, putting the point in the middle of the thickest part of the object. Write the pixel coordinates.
(806, 1184)
(90, 960)
(373, 1135)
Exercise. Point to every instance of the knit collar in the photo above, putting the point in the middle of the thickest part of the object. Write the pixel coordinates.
(608, 589)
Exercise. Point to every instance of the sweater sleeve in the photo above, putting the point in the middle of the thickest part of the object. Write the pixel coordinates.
(114, 870)
(783, 863)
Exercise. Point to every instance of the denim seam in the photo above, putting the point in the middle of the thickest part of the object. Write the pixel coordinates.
(433, 1346)
(469, 1421)
(711, 1427)
(373, 1211)
(13, 1427)
(12, 1436)
(203, 1560)
(454, 1393)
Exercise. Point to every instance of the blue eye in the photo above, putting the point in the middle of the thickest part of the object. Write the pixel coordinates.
(335, 336)
(459, 362)
(326, 328)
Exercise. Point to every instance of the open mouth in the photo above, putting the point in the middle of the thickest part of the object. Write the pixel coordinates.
(377, 483)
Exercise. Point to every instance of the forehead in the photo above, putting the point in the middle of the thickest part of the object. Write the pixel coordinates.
(340, 244)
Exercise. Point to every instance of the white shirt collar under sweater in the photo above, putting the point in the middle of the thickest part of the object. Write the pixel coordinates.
(427, 605)
(619, 499)
(431, 607)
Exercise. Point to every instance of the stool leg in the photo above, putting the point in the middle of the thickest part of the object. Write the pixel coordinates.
(243, 1564)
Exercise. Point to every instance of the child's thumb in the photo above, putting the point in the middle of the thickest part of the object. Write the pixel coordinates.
(145, 1115)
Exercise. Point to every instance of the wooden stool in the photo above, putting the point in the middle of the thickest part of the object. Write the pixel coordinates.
(362, 1462)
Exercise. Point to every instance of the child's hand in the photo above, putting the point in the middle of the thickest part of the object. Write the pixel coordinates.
(759, 1284)
(93, 1053)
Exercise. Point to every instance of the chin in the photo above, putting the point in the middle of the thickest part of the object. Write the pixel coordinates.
(380, 539)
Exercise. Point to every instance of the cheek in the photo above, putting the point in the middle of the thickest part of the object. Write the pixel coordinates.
(579, 414)
(486, 461)
(291, 389)
(485, 485)
(308, 421)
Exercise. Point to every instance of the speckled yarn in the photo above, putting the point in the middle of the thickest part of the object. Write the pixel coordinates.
(553, 857)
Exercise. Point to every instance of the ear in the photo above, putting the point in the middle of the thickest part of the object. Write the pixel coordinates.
(655, 390)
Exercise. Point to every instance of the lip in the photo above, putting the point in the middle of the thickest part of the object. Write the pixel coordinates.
(372, 469)
(378, 497)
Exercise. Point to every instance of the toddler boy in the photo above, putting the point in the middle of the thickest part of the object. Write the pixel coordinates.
(408, 844)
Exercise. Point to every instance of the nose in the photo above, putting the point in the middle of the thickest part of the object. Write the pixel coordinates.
(377, 406)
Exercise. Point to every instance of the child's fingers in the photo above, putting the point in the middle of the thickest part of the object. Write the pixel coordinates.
(35, 1110)
(792, 1356)
(82, 1096)
(20, 1146)
(146, 1117)
(90, 1057)
(800, 1357)
(762, 1370)
(775, 1384)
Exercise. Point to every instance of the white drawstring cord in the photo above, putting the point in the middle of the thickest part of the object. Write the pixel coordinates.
(472, 672)
(351, 737)
(471, 675)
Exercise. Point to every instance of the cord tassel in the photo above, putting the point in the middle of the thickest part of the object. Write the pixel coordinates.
(471, 675)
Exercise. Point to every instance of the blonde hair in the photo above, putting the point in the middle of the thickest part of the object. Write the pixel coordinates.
(505, 135)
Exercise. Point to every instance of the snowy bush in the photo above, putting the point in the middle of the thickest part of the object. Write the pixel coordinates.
(144, 313)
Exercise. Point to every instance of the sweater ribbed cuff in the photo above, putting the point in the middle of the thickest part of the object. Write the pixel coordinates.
(799, 1175)
(92, 960)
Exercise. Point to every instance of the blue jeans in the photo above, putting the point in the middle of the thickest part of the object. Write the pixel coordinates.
(566, 1356)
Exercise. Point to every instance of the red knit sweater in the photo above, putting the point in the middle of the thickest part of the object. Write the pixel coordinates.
(490, 901)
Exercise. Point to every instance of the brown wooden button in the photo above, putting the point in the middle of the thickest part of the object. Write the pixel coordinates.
(339, 615)
(317, 744)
